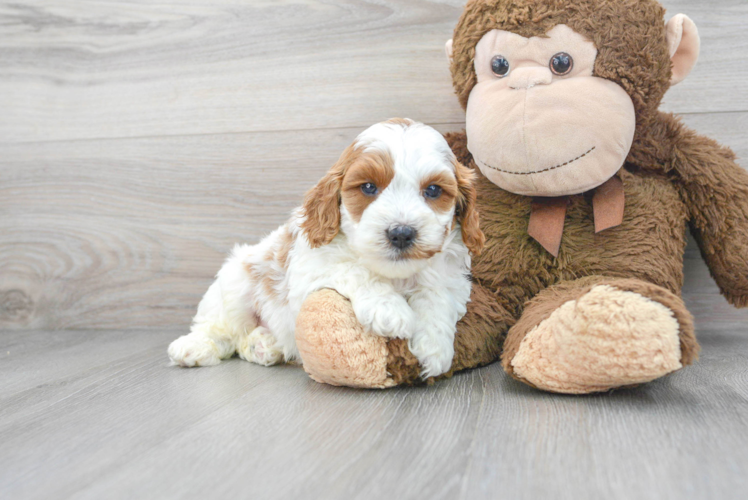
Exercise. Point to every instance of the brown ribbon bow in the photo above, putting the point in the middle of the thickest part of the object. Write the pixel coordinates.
(547, 214)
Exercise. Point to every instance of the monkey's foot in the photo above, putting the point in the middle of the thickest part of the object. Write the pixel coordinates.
(334, 347)
(605, 337)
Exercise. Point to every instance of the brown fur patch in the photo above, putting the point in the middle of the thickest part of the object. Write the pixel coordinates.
(403, 122)
(268, 285)
(277, 255)
(286, 243)
(268, 275)
(343, 184)
(255, 276)
(322, 202)
(420, 253)
(448, 183)
(715, 191)
(376, 167)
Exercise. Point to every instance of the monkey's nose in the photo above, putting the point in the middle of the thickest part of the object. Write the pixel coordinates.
(401, 236)
(526, 78)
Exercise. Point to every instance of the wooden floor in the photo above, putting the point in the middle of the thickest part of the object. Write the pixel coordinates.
(140, 140)
(99, 414)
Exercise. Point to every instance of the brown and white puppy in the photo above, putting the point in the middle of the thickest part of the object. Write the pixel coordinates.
(390, 227)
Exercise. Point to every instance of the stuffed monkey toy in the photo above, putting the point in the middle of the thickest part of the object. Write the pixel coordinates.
(585, 193)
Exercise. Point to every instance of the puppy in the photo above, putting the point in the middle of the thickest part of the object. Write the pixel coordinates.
(390, 227)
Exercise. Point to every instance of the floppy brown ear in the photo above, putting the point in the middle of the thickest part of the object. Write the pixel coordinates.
(322, 205)
(466, 212)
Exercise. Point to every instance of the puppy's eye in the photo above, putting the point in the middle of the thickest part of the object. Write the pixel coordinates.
(433, 191)
(369, 189)
(499, 66)
(561, 63)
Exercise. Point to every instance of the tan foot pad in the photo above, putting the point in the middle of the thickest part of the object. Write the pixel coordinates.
(607, 338)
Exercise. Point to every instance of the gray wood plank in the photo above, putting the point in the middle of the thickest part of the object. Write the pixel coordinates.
(123, 228)
(76, 69)
(174, 68)
(137, 428)
(681, 437)
(68, 355)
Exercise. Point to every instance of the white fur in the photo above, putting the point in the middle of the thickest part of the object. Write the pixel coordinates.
(417, 299)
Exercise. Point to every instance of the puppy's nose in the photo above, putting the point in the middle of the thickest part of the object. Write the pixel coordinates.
(401, 236)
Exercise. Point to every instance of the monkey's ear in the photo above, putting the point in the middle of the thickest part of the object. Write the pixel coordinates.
(683, 44)
(448, 49)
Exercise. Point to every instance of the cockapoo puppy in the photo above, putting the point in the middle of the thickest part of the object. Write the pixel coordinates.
(390, 227)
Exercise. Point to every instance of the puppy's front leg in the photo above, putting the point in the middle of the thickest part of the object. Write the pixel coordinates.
(377, 305)
(433, 340)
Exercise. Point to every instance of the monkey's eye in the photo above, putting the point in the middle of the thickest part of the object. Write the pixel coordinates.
(561, 63)
(433, 192)
(499, 66)
(369, 189)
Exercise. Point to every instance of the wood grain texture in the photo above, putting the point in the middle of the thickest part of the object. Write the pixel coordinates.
(107, 418)
(79, 69)
(128, 233)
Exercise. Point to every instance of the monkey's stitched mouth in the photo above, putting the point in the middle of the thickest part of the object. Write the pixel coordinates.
(538, 171)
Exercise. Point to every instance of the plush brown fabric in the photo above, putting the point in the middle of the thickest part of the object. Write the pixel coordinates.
(714, 190)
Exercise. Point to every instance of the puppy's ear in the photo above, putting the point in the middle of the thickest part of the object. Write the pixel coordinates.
(465, 211)
(322, 205)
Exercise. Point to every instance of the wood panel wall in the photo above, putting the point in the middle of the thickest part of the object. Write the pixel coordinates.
(140, 140)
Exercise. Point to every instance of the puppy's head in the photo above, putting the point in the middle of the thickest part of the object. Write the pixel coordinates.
(397, 193)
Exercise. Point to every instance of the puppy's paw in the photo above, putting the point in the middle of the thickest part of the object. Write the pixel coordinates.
(386, 316)
(261, 347)
(193, 350)
(434, 352)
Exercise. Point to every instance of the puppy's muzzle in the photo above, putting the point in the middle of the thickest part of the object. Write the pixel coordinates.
(402, 237)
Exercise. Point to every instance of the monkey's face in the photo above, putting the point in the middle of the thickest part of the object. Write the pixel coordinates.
(538, 122)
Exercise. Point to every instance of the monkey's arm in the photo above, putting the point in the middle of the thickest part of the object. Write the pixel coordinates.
(715, 190)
